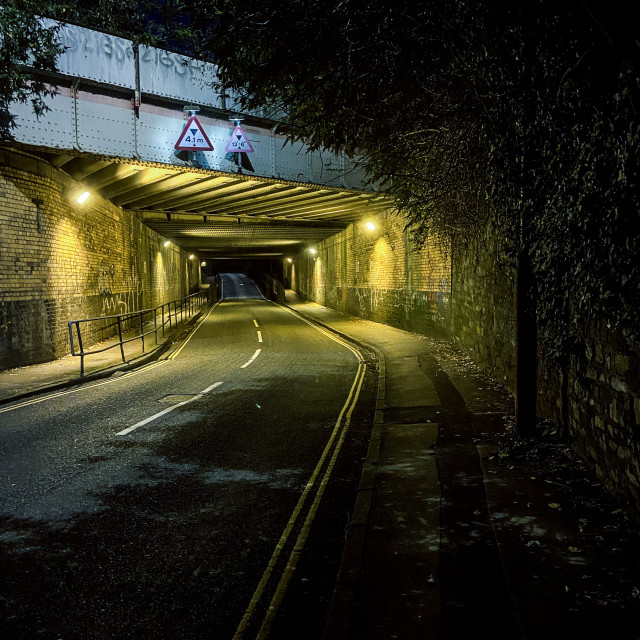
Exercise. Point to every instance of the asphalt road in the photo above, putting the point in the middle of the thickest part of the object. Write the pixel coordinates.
(187, 499)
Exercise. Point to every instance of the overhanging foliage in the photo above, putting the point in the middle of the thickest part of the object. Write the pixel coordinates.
(520, 113)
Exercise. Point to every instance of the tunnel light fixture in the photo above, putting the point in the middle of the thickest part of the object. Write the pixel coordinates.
(371, 226)
(203, 263)
(289, 260)
(312, 251)
(166, 243)
(192, 257)
(82, 197)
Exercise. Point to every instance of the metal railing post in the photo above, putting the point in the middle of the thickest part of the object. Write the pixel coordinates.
(118, 318)
(189, 305)
(79, 334)
(140, 314)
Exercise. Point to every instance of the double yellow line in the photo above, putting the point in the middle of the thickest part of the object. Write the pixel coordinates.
(317, 483)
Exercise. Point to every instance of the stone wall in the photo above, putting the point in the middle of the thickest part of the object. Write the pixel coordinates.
(594, 398)
(482, 296)
(603, 387)
(61, 261)
(375, 274)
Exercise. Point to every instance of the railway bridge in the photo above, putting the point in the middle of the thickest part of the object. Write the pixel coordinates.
(101, 213)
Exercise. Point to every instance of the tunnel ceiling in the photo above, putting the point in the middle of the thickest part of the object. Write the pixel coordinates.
(217, 214)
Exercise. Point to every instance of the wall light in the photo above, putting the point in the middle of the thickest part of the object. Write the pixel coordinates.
(312, 251)
(371, 226)
(289, 260)
(192, 257)
(203, 264)
(77, 194)
(167, 243)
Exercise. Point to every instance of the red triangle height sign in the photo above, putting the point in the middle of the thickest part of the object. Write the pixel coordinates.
(193, 137)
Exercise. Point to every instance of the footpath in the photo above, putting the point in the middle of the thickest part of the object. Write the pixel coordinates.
(102, 360)
(460, 529)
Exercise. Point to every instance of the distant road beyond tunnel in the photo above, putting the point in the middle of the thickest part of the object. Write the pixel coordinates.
(238, 286)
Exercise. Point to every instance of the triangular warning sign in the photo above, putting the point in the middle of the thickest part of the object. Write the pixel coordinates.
(193, 137)
(238, 142)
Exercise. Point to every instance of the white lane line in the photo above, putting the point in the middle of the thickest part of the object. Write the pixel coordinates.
(85, 387)
(256, 323)
(259, 336)
(253, 357)
(167, 410)
(175, 354)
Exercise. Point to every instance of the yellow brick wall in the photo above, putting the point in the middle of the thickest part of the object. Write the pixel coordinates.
(61, 261)
(377, 274)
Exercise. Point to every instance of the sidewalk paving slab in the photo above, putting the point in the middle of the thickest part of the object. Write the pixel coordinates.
(102, 360)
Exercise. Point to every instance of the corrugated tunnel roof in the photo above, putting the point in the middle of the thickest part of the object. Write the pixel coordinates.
(219, 214)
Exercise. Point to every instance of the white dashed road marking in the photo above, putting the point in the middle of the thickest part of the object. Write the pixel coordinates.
(253, 357)
(124, 432)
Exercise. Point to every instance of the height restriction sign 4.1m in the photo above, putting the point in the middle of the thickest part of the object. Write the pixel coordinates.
(193, 137)
(238, 142)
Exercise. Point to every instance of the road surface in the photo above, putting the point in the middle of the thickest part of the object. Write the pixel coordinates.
(187, 499)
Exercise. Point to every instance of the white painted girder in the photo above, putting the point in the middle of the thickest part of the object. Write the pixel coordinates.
(94, 113)
(93, 132)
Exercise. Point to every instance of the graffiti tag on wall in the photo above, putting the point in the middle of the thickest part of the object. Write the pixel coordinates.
(123, 301)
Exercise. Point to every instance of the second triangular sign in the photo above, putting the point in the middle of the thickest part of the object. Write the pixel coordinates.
(238, 142)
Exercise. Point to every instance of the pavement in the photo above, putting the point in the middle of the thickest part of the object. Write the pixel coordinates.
(102, 360)
(460, 528)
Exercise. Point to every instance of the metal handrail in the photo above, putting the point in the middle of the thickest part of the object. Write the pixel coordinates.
(182, 307)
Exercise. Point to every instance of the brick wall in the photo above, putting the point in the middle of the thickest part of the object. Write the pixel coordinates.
(482, 297)
(595, 398)
(61, 261)
(376, 275)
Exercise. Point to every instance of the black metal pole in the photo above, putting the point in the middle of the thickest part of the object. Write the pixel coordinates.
(141, 330)
(526, 346)
(120, 339)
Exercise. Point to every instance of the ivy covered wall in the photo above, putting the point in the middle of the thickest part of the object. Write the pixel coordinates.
(588, 366)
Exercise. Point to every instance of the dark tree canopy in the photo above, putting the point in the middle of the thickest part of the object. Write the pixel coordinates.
(29, 49)
(519, 115)
(23, 40)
